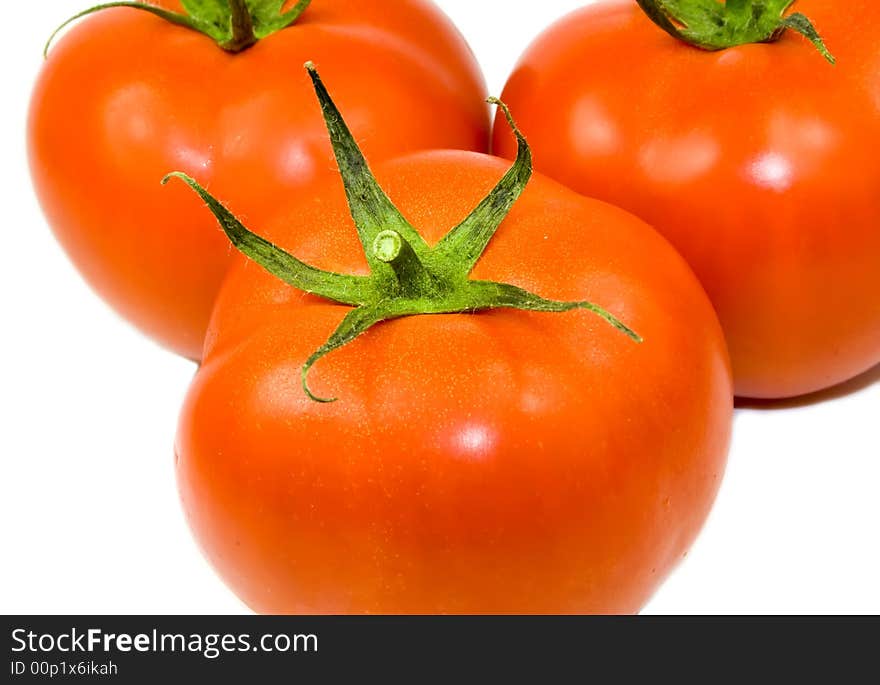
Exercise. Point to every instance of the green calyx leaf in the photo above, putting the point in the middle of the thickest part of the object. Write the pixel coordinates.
(234, 25)
(407, 276)
(716, 25)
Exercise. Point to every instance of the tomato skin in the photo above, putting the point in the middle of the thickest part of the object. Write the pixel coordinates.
(756, 162)
(125, 97)
(502, 462)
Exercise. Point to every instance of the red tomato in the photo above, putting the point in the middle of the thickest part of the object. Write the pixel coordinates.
(757, 162)
(506, 461)
(126, 97)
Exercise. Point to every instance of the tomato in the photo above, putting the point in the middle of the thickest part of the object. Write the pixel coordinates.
(501, 461)
(757, 162)
(126, 96)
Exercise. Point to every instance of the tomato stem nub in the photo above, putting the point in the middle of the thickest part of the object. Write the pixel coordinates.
(242, 27)
(407, 276)
(714, 25)
(388, 246)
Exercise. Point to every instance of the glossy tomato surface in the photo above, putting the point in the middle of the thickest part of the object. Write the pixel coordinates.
(758, 163)
(494, 462)
(126, 97)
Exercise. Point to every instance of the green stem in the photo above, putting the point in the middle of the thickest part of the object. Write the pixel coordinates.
(714, 25)
(408, 278)
(242, 26)
(414, 280)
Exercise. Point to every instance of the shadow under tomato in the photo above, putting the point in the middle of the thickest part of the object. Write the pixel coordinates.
(857, 384)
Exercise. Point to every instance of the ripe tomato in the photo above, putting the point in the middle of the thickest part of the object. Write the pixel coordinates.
(504, 461)
(126, 96)
(757, 162)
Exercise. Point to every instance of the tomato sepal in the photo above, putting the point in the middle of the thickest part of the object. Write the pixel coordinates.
(234, 25)
(712, 25)
(407, 276)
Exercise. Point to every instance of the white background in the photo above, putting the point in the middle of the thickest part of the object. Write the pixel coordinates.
(88, 504)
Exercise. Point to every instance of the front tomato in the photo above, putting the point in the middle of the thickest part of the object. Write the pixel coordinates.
(126, 96)
(758, 162)
(530, 458)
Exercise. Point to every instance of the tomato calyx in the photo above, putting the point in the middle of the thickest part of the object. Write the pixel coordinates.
(234, 25)
(714, 25)
(407, 276)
